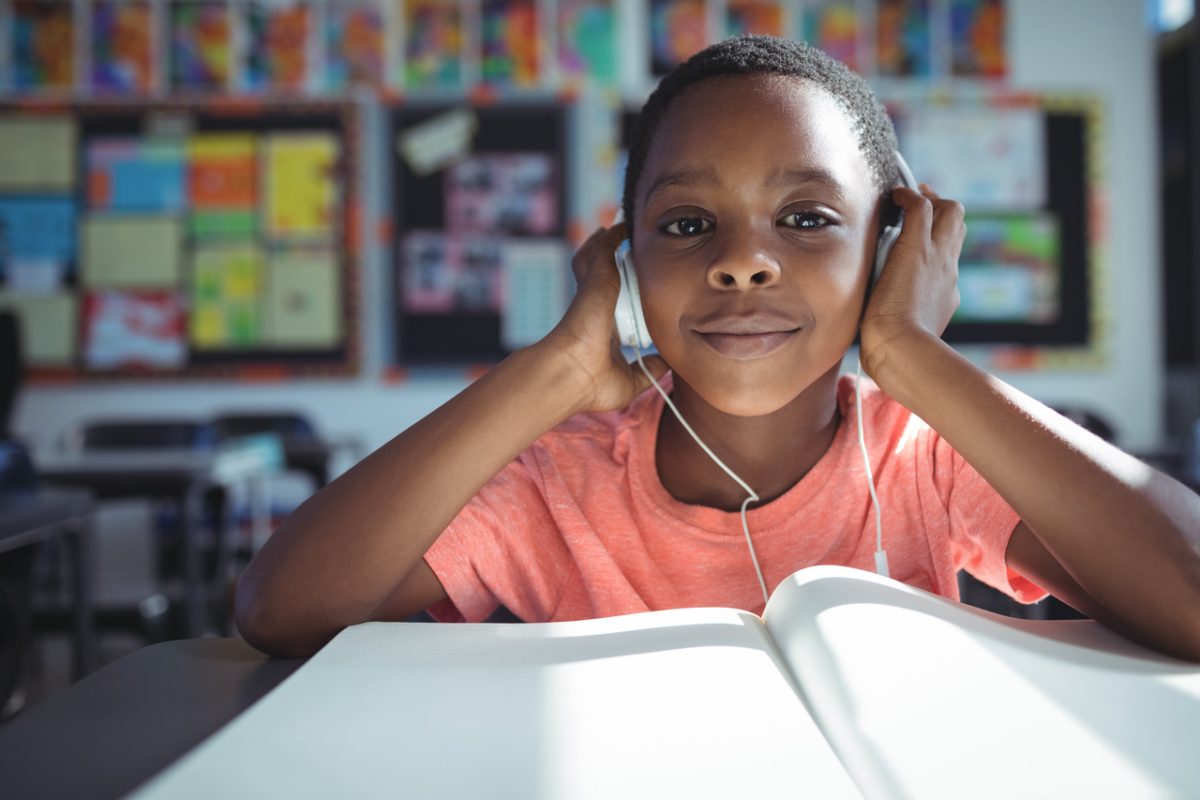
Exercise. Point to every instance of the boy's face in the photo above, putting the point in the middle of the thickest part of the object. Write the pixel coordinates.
(756, 223)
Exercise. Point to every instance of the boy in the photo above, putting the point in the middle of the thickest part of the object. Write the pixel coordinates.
(758, 181)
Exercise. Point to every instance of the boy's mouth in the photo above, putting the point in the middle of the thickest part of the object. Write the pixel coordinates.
(750, 336)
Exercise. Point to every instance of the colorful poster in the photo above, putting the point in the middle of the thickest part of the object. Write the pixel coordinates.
(222, 171)
(300, 185)
(37, 153)
(1009, 270)
(762, 17)
(442, 273)
(678, 30)
(122, 46)
(37, 234)
(276, 46)
(131, 251)
(835, 27)
(133, 330)
(587, 41)
(48, 326)
(433, 44)
(509, 43)
(510, 193)
(986, 157)
(977, 38)
(303, 307)
(354, 52)
(903, 48)
(200, 45)
(227, 284)
(136, 175)
(43, 54)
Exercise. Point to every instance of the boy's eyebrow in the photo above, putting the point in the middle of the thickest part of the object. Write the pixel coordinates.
(778, 177)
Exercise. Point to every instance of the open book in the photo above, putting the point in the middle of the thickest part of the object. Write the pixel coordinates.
(850, 685)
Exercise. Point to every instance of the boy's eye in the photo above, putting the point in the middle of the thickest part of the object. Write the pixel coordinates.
(688, 226)
(804, 219)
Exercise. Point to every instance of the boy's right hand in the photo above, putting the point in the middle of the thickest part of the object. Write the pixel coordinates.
(586, 337)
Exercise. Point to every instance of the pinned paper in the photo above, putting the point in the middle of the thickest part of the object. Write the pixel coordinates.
(303, 307)
(124, 330)
(512, 193)
(438, 142)
(200, 47)
(43, 54)
(135, 175)
(433, 44)
(122, 46)
(301, 189)
(678, 30)
(977, 38)
(227, 284)
(37, 228)
(535, 290)
(509, 46)
(122, 251)
(834, 26)
(276, 52)
(759, 17)
(587, 41)
(37, 153)
(48, 325)
(903, 47)
(354, 44)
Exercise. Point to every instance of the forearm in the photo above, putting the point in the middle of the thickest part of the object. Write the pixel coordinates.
(339, 555)
(1128, 535)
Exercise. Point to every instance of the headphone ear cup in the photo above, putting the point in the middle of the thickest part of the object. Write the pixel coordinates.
(887, 240)
(631, 324)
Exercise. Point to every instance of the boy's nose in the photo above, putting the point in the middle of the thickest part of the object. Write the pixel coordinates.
(742, 267)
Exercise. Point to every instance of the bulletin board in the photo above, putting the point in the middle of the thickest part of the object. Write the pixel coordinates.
(181, 239)
(478, 244)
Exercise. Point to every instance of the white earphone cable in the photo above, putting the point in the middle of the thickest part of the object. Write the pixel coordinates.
(881, 563)
(753, 496)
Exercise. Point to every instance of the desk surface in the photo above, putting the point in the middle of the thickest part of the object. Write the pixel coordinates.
(121, 725)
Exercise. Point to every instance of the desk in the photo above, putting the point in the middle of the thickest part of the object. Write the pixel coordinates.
(182, 475)
(124, 723)
(31, 516)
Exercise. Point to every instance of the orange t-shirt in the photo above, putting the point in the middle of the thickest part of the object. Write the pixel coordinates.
(580, 526)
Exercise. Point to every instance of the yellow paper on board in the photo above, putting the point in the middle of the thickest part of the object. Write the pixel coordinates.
(37, 154)
(301, 192)
(48, 324)
(303, 300)
(226, 296)
(131, 252)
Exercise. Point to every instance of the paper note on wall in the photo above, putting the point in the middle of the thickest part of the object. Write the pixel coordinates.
(226, 296)
(223, 185)
(304, 299)
(122, 251)
(48, 324)
(301, 191)
(133, 330)
(36, 228)
(37, 153)
(535, 290)
(135, 175)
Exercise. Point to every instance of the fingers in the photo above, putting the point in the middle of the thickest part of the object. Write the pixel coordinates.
(598, 248)
(929, 214)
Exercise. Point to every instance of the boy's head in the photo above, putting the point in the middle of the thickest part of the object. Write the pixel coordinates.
(766, 55)
(755, 189)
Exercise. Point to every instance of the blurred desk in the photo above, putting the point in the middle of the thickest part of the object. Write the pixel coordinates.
(123, 724)
(314, 455)
(184, 476)
(31, 516)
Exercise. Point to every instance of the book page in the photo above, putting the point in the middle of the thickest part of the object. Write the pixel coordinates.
(923, 697)
(683, 703)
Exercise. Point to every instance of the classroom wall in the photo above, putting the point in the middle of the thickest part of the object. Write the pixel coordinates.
(1104, 47)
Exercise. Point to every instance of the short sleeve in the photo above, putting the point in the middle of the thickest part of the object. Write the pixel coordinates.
(503, 548)
(981, 524)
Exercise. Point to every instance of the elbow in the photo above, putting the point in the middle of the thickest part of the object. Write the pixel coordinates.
(268, 631)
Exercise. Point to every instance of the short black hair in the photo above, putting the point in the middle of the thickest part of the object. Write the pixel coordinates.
(768, 55)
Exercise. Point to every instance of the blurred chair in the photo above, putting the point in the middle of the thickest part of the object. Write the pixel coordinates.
(12, 369)
(158, 615)
(304, 450)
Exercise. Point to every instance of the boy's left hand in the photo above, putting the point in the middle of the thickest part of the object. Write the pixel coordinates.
(917, 291)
